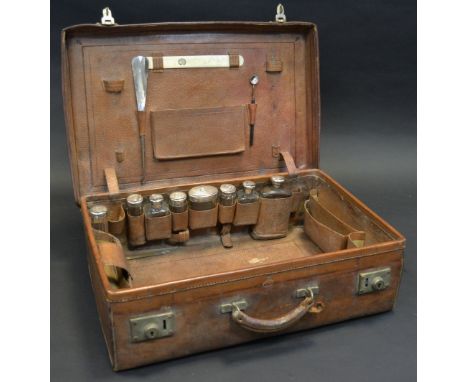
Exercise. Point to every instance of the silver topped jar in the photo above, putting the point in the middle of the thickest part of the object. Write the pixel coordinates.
(135, 204)
(203, 197)
(228, 194)
(178, 201)
(98, 215)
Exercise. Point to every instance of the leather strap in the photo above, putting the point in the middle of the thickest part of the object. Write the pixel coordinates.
(234, 60)
(111, 180)
(158, 64)
(289, 160)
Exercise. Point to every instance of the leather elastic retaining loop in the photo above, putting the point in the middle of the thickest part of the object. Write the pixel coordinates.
(290, 164)
(111, 180)
(158, 63)
(234, 61)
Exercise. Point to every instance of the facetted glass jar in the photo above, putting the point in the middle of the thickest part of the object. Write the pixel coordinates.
(178, 201)
(99, 217)
(248, 193)
(228, 194)
(135, 205)
(157, 206)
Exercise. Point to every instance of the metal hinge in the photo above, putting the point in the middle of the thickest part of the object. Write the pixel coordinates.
(107, 18)
(280, 15)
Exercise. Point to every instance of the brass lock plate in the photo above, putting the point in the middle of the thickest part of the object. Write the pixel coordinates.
(150, 327)
(374, 280)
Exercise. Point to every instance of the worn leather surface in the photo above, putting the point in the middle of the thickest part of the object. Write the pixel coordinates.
(180, 221)
(246, 213)
(226, 213)
(136, 230)
(117, 220)
(273, 218)
(158, 227)
(203, 219)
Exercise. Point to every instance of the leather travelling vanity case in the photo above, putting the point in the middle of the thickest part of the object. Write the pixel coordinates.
(178, 110)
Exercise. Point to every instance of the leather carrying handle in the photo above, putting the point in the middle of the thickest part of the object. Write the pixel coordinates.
(275, 324)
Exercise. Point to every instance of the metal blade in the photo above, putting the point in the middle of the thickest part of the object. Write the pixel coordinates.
(140, 79)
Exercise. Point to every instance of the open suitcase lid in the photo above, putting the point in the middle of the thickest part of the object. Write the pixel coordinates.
(197, 121)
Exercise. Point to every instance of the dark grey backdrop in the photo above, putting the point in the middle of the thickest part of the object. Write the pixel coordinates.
(368, 86)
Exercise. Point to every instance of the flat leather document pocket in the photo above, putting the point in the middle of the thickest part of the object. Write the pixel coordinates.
(203, 219)
(158, 227)
(191, 133)
(327, 231)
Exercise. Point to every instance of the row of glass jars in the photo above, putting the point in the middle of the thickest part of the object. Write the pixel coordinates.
(200, 198)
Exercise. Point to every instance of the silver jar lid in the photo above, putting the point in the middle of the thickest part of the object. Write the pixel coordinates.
(98, 211)
(277, 180)
(248, 185)
(227, 189)
(201, 194)
(177, 198)
(134, 199)
(156, 198)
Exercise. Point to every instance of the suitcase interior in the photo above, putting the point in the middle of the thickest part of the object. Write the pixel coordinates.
(159, 263)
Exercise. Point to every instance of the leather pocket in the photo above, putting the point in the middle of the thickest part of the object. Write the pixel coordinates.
(136, 230)
(327, 231)
(203, 219)
(158, 227)
(226, 214)
(117, 221)
(246, 213)
(191, 133)
(273, 218)
(180, 221)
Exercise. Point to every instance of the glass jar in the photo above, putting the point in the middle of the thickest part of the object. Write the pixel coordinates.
(135, 205)
(99, 219)
(178, 201)
(203, 198)
(157, 206)
(248, 193)
(228, 194)
(276, 189)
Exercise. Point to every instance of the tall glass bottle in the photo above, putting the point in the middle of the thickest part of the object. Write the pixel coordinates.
(135, 205)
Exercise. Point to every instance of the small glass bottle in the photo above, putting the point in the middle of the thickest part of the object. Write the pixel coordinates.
(99, 220)
(178, 201)
(228, 194)
(276, 190)
(135, 205)
(203, 197)
(157, 206)
(248, 193)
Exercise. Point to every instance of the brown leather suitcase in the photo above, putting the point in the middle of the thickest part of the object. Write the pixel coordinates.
(187, 292)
